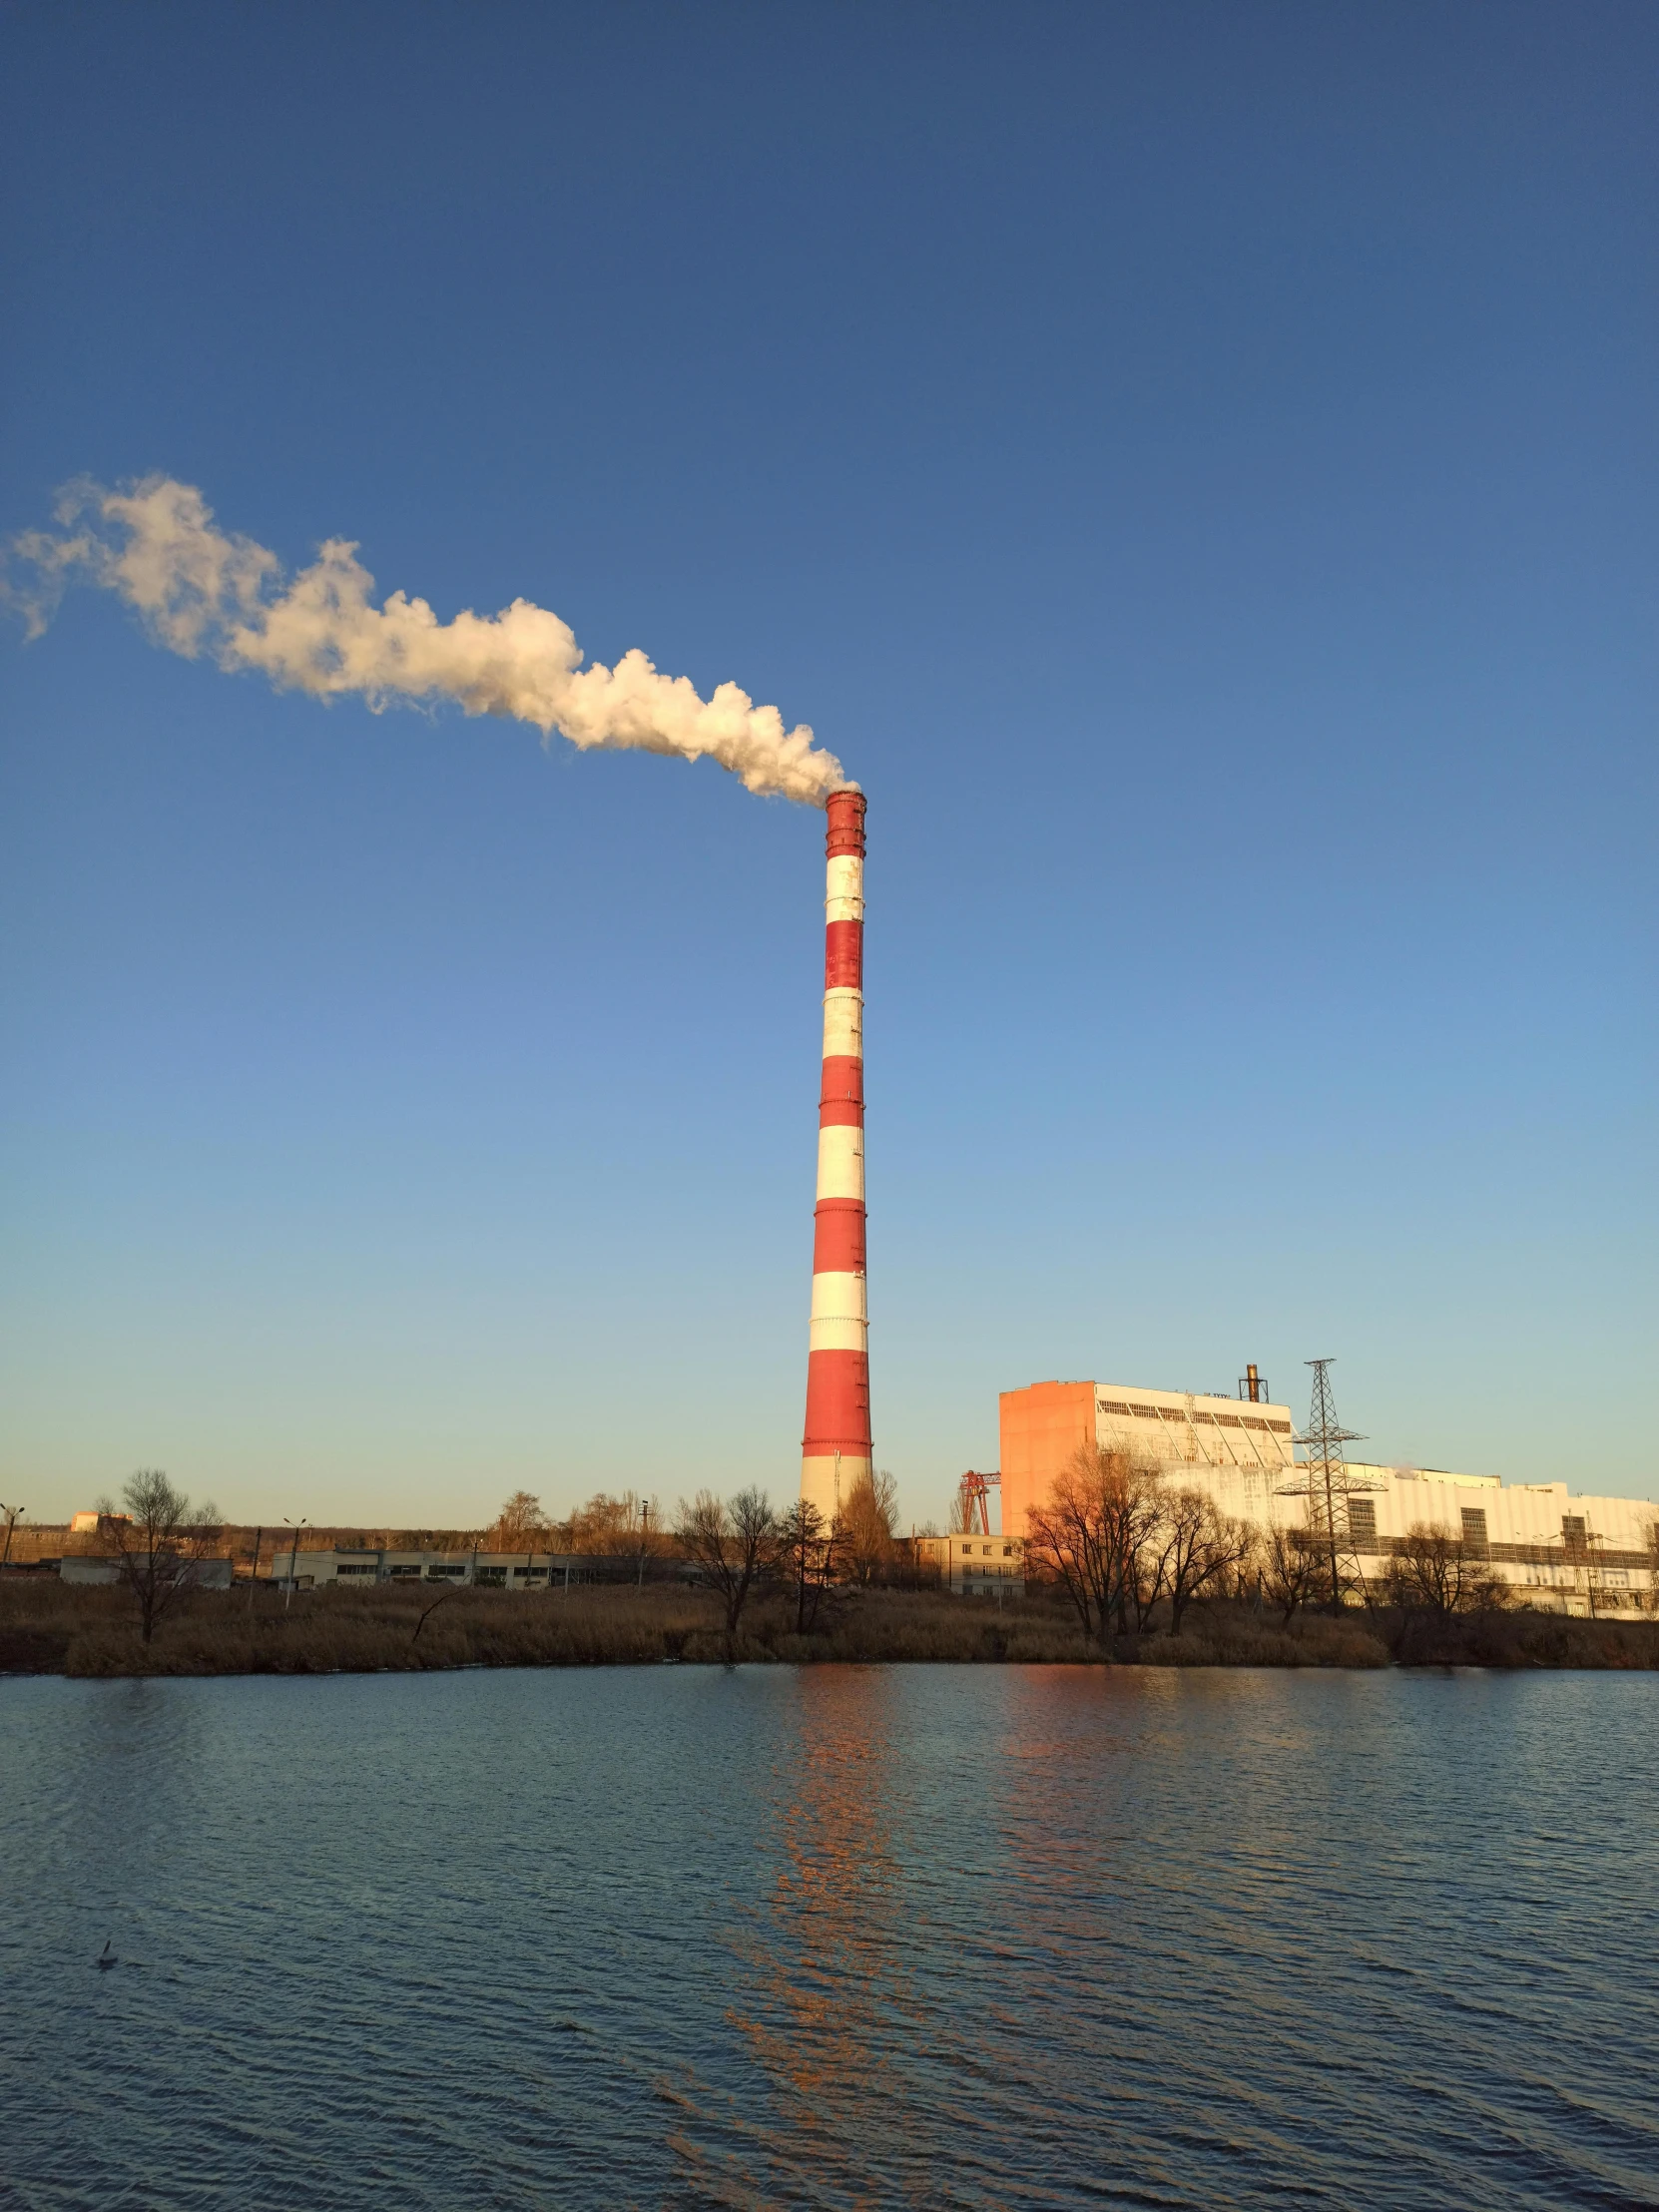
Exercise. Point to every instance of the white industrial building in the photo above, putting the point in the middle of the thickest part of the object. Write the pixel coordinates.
(1558, 1549)
(345, 1567)
(1576, 1553)
(98, 1570)
(1245, 1451)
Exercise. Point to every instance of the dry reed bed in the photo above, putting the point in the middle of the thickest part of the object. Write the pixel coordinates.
(46, 1627)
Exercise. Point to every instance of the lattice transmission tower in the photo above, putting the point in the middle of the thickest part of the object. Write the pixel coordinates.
(1324, 1480)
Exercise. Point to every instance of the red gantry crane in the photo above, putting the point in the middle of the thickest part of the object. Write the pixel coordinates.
(973, 1494)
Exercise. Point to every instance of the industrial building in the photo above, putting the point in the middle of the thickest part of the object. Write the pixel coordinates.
(1556, 1548)
(98, 1570)
(342, 1566)
(974, 1564)
(977, 1565)
(1243, 1450)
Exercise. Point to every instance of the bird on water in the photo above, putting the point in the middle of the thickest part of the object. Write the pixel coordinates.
(106, 1957)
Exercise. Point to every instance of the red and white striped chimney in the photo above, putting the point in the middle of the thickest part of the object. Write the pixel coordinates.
(835, 1450)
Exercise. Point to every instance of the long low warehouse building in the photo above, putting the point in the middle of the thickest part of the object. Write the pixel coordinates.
(346, 1567)
(1571, 1552)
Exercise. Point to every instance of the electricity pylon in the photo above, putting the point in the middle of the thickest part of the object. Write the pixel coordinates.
(1326, 1482)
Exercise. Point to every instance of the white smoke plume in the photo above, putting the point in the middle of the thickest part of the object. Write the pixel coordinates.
(202, 592)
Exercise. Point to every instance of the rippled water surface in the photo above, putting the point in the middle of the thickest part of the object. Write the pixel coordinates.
(832, 1937)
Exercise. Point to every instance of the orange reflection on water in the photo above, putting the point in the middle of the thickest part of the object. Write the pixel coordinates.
(830, 1964)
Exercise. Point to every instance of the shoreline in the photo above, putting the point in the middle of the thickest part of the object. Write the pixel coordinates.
(90, 1634)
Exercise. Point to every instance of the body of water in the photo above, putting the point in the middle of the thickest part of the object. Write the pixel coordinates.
(837, 1936)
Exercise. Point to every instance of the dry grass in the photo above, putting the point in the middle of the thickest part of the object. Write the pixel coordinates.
(1518, 1639)
(46, 1627)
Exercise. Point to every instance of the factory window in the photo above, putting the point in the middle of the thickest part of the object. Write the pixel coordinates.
(1474, 1530)
(1147, 1412)
(1572, 1524)
(1225, 1420)
(1007, 1551)
(1280, 1428)
(1361, 1519)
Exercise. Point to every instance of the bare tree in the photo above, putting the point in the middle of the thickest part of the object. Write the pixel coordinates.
(1091, 1533)
(1290, 1570)
(1147, 1565)
(615, 1528)
(1431, 1572)
(1198, 1549)
(807, 1554)
(521, 1525)
(158, 1544)
(864, 1526)
(730, 1546)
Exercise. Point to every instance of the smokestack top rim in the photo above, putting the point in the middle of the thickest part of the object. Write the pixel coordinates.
(845, 821)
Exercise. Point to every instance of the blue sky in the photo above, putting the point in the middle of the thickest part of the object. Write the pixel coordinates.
(1194, 465)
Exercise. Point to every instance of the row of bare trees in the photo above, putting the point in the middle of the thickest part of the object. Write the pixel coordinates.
(605, 1527)
(737, 1543)
(1119, 1541)
(621, 1526)
(1429, 1571)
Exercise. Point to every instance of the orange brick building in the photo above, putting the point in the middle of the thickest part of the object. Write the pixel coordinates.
(1042, 1426)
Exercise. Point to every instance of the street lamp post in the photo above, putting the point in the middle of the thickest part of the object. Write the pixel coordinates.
(13, 1513)
(293, 1556)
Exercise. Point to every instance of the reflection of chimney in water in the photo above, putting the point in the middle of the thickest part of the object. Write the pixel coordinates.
(835, 1450)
